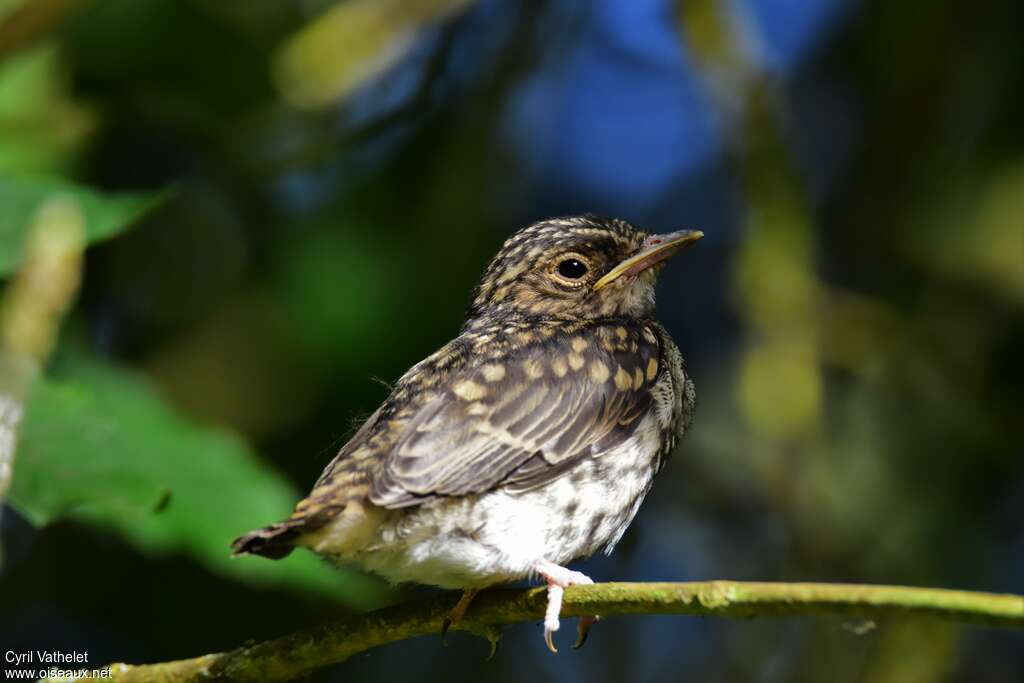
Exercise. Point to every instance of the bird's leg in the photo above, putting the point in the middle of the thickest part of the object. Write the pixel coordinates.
(559, 578)
(455, 616)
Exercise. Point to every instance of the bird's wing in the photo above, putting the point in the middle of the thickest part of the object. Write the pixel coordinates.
(357, 440)
(521, 420)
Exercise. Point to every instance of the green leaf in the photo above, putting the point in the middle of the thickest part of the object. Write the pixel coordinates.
(44, 126)
(99, 446)
(105, 214)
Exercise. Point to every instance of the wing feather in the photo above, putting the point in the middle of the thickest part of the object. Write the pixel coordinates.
(525, 428)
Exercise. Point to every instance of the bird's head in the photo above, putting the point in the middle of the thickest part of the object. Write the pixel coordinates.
(582, 267)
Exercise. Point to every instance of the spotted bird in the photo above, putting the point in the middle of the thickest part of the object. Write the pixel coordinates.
(524, 444)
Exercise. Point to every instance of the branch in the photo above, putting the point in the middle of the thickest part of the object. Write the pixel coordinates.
(303, 652)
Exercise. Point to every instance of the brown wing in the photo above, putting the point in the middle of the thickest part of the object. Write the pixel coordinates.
(357, 440)
(522, 420)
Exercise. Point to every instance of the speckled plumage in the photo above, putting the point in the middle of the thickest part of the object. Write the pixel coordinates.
(529, 439)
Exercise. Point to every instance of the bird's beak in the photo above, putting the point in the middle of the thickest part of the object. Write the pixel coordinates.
(655, 249)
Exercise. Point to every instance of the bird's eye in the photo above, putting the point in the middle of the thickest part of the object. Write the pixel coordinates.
(572, 269)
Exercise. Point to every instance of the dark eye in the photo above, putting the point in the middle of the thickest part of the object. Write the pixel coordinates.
(572, 269)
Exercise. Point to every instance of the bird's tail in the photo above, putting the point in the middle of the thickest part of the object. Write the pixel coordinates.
(273, 542)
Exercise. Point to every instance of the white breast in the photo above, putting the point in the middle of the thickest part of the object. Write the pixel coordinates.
(499, 536)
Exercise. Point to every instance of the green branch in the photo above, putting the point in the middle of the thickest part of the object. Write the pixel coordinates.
(300, 653)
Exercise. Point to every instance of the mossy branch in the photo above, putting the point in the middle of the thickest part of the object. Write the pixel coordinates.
(300, 653)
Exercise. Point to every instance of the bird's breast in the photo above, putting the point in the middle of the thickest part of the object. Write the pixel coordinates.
(499, 536)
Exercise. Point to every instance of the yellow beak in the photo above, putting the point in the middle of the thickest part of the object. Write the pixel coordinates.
(655, 249)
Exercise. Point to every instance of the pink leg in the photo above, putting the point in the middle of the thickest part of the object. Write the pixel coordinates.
(559, 578)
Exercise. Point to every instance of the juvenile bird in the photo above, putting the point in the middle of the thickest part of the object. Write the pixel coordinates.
(527, 442)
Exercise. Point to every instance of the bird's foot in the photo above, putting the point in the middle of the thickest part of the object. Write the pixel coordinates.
(455, 616)
(559, 578)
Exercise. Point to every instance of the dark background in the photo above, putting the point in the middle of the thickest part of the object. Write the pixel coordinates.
(853, 319)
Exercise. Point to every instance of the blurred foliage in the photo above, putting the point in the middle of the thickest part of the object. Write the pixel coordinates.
(41, 123)
(350, 44)
(103, 215)
(341, 172)
(99, 446)
(46, 285)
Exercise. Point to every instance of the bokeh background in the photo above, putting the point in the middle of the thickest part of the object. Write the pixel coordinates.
(332, 179)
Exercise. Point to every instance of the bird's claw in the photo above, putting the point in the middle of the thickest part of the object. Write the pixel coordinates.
(583, 630)
(493, 634)
(548, 633)
(554, 608)
(445, 625)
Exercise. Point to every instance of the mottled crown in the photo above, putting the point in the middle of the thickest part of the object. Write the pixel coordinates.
(524, 278)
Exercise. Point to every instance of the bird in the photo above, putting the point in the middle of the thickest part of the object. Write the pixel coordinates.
(526, 443)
